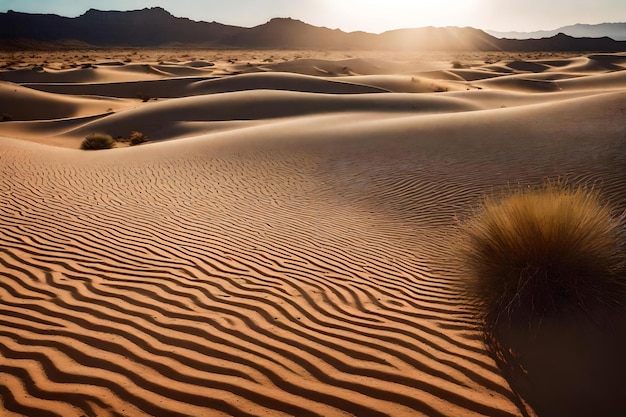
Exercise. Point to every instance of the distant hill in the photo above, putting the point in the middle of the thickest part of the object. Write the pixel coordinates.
(156, 27)
(294, 34)
(147, 27)
(616, 31)
(439, 39)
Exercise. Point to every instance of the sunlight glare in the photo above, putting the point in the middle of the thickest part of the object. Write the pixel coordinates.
(377, 15)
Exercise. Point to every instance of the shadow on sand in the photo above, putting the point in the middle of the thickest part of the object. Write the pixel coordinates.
(572, 365)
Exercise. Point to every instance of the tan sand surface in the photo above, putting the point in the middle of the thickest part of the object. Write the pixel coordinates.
(284, 245)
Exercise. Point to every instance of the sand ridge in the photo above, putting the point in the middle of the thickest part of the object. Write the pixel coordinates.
(284, 244)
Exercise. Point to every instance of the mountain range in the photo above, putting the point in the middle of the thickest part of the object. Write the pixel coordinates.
(156, 27)
(615, 31)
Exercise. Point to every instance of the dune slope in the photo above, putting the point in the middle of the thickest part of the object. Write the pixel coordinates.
(299, 261)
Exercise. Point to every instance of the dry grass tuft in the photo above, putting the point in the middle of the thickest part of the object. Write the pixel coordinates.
(97, 141)
(137, 138)
(544, 251)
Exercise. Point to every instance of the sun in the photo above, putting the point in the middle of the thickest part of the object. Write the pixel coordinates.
(381, 15)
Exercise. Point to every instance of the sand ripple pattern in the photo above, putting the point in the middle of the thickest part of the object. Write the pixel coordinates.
(247, 282)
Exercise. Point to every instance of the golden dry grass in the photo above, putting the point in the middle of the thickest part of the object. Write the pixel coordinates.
(543, 251)
(97, 141)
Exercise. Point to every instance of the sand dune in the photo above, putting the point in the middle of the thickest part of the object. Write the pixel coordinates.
(192, 86)
(323, 67)
(28, 104)
(292, 251)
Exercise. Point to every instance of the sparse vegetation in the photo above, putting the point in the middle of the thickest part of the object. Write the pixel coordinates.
(544, 251)
(5, 117)
(143, 97)
(457, 65)
(97, 141)
(137, 138)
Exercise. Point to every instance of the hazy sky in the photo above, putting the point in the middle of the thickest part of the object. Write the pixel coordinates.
(368, 15)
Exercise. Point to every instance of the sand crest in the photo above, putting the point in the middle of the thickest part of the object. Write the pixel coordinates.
(284, 243)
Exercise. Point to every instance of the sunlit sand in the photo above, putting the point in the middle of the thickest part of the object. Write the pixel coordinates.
(284, 242)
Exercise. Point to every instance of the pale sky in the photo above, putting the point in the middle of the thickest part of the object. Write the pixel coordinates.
(368, 15)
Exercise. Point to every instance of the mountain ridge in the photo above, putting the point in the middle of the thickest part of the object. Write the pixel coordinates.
(156, 27)
(615, 30)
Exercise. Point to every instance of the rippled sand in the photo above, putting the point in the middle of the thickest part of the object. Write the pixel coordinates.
(284, 244)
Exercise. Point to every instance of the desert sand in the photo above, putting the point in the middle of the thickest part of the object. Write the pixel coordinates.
(285, 242)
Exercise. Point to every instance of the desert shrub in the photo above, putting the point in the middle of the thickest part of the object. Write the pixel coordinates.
(457, 64)
(137, 138)
(543, 251)
(5, 117)
(97, 141)
(143, 97)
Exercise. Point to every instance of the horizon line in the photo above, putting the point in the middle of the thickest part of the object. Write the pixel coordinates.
(312, 24)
